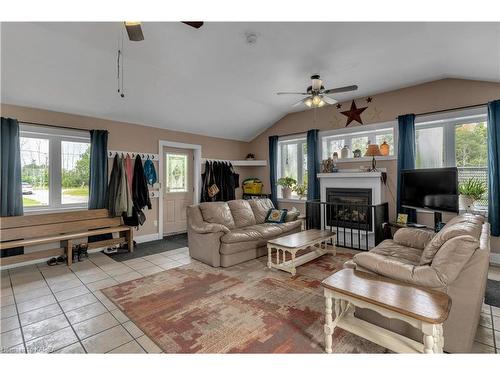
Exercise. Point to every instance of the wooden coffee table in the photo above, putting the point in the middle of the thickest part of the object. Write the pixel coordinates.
(422, 308)
(316, 239)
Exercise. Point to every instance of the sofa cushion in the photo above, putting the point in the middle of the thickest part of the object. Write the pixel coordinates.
(242, 235)
(242, 213)
(462, 225)
(217, 212)
(394, 251)
(289, 226)
(413, 237)
(269, 230)
(260, 208)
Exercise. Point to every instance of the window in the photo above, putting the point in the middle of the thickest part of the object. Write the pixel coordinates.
(176, 173)
(292, 161)
(459, 140)
(358, 140)
(55, 166)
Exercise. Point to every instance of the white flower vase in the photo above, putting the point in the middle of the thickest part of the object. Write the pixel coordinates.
(286, 192)
(465, 202)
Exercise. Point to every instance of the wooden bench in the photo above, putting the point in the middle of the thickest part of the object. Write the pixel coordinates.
(422, 308)
(62, 228)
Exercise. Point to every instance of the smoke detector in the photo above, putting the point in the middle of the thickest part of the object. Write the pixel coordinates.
(251, 37)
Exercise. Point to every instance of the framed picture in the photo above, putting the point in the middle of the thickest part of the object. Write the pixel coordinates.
(402, 219)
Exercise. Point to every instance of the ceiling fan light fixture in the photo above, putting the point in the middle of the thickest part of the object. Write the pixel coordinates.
(308, 102)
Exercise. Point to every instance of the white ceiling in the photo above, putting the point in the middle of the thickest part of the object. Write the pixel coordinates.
(210, 81)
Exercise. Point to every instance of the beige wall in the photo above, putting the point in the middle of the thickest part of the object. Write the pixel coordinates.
(432, 96)
(428, 97)
(134, 137)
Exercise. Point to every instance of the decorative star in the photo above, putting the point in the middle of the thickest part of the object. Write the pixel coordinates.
(353, 114)
(369, 99)
(339, 106)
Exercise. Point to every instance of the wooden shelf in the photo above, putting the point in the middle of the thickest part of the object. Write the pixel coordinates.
(241, 163)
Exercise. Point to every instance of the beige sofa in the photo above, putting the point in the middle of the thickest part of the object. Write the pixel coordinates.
(455, 261)
(228, 233)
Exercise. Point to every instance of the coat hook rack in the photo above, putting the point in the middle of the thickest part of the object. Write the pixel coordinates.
(133, 154)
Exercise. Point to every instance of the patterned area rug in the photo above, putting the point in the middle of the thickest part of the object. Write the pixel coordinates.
(242, 309)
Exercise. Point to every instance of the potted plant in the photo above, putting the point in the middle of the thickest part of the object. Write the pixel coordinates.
(470, 191)
(286, 184)
(250, 156)
(301, 190)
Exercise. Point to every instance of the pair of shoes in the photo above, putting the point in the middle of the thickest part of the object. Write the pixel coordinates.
(111, 250)
(80, 251)
(55, 261)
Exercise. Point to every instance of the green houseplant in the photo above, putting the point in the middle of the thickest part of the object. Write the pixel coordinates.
(470, 191)
(286, 184)
(301, 190)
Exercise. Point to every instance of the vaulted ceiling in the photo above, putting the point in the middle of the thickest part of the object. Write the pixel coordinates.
(211, 81)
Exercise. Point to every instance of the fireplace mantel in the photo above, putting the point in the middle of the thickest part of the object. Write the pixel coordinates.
(351, 175)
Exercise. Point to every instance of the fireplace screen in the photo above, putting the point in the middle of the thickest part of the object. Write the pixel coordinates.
(349, 208)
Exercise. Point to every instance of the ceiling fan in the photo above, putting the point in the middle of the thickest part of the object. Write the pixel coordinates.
(316, 94)
(135, 34)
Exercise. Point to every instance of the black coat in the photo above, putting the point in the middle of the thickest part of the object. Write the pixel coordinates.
(140, 192)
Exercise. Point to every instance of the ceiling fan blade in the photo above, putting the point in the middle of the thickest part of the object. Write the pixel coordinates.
(195, 24)
(329, 100)
(341, 89)
(292, 93)
(134, 31)
(299, 102)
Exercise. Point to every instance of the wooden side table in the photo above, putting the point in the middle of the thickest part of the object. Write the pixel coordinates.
(423, 309)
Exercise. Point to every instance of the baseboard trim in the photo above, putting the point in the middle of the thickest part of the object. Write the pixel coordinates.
(147, 237)
(495, 259)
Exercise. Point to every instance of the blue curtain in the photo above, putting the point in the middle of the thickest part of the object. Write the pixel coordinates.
(98, 183)
(313, 191)
(406, 157)
(273, 159)
(11, 202)
(494, 166)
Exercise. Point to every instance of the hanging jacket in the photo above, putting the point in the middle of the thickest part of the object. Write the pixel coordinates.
(113, 186)
(150, 172)
(140, 192)
(123, 203)
(129, 168)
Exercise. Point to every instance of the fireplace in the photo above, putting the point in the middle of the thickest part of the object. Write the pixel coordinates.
(349, 208)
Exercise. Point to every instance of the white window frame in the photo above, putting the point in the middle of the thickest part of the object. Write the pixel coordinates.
(448, 121)
(299, 140)
(55, 136)
(347, 134)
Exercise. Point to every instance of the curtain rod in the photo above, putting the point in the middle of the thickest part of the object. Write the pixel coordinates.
(51, 125)
(450, 109)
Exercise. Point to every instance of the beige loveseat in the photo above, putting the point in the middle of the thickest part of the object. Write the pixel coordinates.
(228, 233)
(455, 261)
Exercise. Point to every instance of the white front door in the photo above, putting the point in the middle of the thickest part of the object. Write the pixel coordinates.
(178, 192)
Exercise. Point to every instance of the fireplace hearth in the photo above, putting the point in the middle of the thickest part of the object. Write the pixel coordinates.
(350, 208)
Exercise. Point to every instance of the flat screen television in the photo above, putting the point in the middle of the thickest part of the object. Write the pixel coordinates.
(434, 189)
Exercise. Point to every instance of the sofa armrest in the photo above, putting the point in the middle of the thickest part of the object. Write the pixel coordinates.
(424, 276)
(291, 216)
(413, 237)
(203, 228)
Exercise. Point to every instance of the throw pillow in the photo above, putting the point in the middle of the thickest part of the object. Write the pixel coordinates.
(276, 216)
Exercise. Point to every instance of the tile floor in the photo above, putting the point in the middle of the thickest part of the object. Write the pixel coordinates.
(60, 309)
